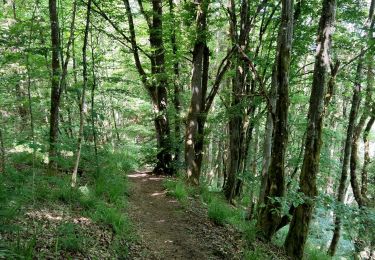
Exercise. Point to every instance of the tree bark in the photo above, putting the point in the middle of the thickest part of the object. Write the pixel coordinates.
(82, 106)
(55, 81)
(347, 151)
(159, 92)
(367, 159)
(176, 86)
(157, 87)
(299, 226)
(194, 127)
(269, 216)
(93, 113)
(238, 89)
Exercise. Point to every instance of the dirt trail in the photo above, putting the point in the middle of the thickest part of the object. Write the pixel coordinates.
(168, 230)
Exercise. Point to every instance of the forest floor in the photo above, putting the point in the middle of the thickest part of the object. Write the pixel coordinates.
(169, 229)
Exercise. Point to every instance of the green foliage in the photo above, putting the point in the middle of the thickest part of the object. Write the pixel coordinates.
(102, 198)
(312, 253)
(21, 249)
(176, 189)
(219, 212)
(112, 217)
(249, 232)
(255, 254)
(69, 238)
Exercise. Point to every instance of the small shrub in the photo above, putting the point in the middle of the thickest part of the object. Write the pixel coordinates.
(176, 189)
(67, 194)
(250, 232)
(113, 218)
(206, 195)
(219, 212)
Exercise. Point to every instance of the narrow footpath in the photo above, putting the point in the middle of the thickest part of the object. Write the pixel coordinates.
(168, 230)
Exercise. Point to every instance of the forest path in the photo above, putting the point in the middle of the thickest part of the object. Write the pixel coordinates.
(168, 230)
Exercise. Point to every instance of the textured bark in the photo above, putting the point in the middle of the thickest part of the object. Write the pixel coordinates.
(194, 127)
(82, 106)
(299, 226)
(370, 89)
(238, 90)
(176, 85)
(269, 219)
(158, 90)
(345, 162)
(55, 88)
(367, 159)
(242, 84)
(201, 100)
(267, 145)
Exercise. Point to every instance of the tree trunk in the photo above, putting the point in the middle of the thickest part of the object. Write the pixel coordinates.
(367, 159)
(299, 226)
(269, 219)
(370, 89)
(176, 87)
(55, 90)
(82, 107)
(344, 170)
(2, 151)
(236, 113)
(158, 91)
(93, 113)
(195, 119)
(267, 145)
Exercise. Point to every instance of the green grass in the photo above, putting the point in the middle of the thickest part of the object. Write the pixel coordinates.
(312, 253)
(112, 217)
(100, 195)
(70, 238)
(219, 211)
(177, 189)
(256, 254)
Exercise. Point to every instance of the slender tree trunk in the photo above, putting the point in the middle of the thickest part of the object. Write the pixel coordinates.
(268, 220)
(267, 145)
(176, 86)
(370, 89)
(22, 110)
(83, 102)
(115, 121)
(55, 90)
(93, 113)
(299, 226)
(2, 152)
(367, 159)
(347, 151)
(236, 122)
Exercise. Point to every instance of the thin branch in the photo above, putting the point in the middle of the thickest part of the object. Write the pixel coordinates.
(118, 30)
(145, 15)
(256, 76)
(219, 76)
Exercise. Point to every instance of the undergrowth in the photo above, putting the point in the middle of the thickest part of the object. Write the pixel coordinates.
(222, 213)
(100, 197)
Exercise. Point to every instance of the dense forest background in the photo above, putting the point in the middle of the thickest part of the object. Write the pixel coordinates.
(268, 105)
